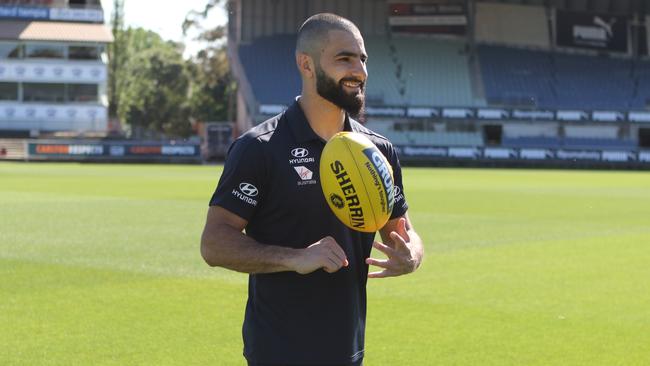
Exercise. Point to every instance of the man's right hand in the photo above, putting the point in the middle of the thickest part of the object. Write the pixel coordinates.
(325, 253)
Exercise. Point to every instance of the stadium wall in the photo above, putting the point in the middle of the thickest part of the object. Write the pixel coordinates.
(510, 24)
(258, 18)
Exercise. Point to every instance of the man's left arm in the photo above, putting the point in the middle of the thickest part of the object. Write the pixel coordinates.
(402, 246)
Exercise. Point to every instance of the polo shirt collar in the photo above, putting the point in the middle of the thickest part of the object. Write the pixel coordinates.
(300, 127)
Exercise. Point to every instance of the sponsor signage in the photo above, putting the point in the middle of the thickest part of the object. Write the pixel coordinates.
(111, 150)
(572, 115)
(272, 109)
(638, 116)
(385, 111)
(618, 156)
(422, 112)
(65, 149)
(644, 156)
(533, 114)
(461, 113)
(24, 12)
(46, 13)
(492, 114)
(527, 154)
(443, 17)
(77, 15)
(535, 154)
(488, 113)
(607, 116)
(422, 151)
(577, 155)
(499, 153)
(464, 152)
(591, 31)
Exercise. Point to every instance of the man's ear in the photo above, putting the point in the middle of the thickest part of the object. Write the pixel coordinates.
(305, 65)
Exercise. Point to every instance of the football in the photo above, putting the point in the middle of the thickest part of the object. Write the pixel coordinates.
(357, 181)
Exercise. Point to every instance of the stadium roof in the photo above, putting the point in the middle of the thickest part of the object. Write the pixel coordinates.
(54, 31)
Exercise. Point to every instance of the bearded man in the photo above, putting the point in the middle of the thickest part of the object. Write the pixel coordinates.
(307, 271)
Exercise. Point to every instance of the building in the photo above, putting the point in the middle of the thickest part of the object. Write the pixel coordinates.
(53, 67)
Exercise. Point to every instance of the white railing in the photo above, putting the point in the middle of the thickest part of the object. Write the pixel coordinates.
(60, 71)
(53, 117)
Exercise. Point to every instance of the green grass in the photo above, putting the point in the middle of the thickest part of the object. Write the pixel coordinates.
(99, 265)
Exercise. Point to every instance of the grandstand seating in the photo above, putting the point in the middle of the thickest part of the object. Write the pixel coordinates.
(641, 99)
(271, 68)
(516, 77)
(564, 81)
(411, 71)
(434, 73)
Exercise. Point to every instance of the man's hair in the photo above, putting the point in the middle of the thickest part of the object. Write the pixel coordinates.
(313, 33)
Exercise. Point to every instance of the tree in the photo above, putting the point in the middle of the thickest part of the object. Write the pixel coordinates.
(212, 90)
(115, 55)
(153, 87)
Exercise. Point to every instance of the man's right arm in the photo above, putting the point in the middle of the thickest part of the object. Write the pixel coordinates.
(223, 244)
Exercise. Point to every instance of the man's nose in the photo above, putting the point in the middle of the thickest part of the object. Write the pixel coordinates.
(360, 72)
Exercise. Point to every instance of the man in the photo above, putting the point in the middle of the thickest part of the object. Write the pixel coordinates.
(308, 272)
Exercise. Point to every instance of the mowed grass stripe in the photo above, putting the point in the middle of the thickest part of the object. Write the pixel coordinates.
(66, 315)
(100, 265)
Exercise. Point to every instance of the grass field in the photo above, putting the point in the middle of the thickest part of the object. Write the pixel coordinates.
(99, 265)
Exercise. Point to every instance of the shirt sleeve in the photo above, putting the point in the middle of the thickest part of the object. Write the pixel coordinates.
(399, 203)
(241, 186)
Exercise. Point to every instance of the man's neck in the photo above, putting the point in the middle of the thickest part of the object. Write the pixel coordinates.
(325, 118)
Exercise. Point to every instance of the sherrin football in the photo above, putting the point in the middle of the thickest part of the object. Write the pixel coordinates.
(357, 181)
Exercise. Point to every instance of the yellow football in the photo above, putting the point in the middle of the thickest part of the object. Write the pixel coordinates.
(357, 181)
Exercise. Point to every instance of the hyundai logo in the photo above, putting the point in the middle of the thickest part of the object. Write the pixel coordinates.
(396, 191)
(300, 152)
(248, 189)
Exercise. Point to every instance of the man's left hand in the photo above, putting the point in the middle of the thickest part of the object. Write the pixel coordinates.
(402, 258)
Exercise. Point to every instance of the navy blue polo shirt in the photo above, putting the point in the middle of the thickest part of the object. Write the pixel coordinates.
(270, 179)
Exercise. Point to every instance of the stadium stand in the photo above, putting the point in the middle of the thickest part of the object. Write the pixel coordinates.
(589, 82)
(12, 149)
(449, 85)
(542, 79)
(384, 87)
(516, 77)
(268, 60)
(641, 97)
(506, 81)
(269, 64)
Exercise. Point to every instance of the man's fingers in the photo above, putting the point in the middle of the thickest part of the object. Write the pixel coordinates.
(331, 265)
(338, 251)
(402, 230)
(378, 262)
(384, 248)
(381, 274)
(399, 240)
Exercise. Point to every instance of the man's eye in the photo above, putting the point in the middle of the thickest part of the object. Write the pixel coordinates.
(344, 59)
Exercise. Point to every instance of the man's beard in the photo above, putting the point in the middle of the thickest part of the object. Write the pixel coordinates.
(335, 93)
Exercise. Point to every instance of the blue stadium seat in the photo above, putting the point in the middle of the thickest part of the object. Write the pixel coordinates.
(545, 80)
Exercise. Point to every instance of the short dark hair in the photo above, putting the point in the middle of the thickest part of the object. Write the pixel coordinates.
(313, 33)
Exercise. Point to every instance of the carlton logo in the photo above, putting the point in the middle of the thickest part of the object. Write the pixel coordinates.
(248, 189)
(299, 152)
(337, 201)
